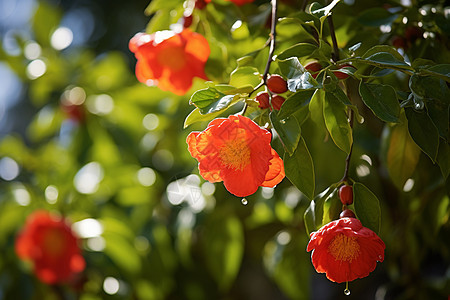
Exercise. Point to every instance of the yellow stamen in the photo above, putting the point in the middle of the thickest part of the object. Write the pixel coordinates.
(235, 154)
(344, 248)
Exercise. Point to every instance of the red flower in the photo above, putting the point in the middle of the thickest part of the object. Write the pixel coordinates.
(170, 60)
(51, 245)
(241, 2)
(236, 151)
(345, 250)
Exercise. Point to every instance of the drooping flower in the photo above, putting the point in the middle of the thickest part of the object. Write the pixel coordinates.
(345, 250)
(236, 151)
(49, 243)
(169, 59)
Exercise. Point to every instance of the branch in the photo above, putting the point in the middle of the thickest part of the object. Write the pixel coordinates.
(335, 54)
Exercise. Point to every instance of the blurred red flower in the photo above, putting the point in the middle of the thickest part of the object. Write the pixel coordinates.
(236, 151)
(345, 250)
(241, 2)
(170, 59)
(51, 245)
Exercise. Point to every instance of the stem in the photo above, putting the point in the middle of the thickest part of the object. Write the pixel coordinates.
(304, 4)
(335, 54)
(349, 156)
(272, 42)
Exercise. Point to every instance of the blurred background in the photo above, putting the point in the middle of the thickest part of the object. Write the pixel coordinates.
(79, 135)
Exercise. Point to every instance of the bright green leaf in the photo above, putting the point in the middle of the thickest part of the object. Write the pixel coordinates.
(211, 100)
(288, 130)
(298, 77)
(298, 50)
(244, 76)
(295, 102)
(314, 213)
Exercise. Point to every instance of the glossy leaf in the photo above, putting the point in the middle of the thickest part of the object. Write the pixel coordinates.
(367, 207)
(298, 50)
(299, 169)
(288, 130)
(211, 100)
(381, 99)
(443, 158)
(295, 102)
(297, 77)
(195, 116)
(245, 76)
(376, 17)
(336, 120)
(423, 132)
(386, 59)
(314, 213)
(332, 207)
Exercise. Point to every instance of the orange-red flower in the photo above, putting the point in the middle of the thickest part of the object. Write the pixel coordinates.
(169, 59)
(345, 250)
(50, 244)
(236, 151)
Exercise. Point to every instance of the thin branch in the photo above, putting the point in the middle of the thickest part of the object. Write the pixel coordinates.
(350, 121)
(335, 54)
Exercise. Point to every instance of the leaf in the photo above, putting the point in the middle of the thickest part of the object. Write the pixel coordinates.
(323, 11)
(429, 87)
(442, 71)
(294, 103)
(288, 130)
(385, 59)
(382, 101)
(314, 213)
(45, 20)
(376, 17)
(299, 169)
(332, 207)
(439, 115)
(211, 100)
(298, 77)
(195, 116)
(367, 207)
(423, 132)
(245, 76)
(224, 247)
(298, 50)
(336, 121)
(402, 154)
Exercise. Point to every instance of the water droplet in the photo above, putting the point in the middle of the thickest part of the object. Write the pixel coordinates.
(419, 105)
(380, 257)
(244, 201)
(283, 121)
(347, 292)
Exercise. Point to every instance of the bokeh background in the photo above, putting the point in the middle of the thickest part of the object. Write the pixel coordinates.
(79, 135)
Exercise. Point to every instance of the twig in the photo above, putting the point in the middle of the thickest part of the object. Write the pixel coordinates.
(350, 121)
(335, 54)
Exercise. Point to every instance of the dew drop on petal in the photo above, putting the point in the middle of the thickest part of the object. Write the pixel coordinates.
(244, 201)
(347, 292)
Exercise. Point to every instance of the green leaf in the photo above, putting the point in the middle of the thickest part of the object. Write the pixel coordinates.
(298, 50)
(224, 247)
(382, 101)
(441, 71)
(386, 59)
(439, 115)
(244, 76)
(376, 17)
(429, 87)
(367, 207)
(332, 207)
(319, 11)
(298, 77)
(402, 154)
(423, 132)
(195, 116)
(45, 20)
(299, 169)
(294, 103)
(314, 213)
(288, 130)
(336, 122)
(211, 100)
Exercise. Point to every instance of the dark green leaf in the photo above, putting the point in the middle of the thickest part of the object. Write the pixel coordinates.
(423, 132)
(299, 169)
(443, 71)
(367, 207)
(295, 102)
(385, 59)
(429, 87)
(376, 17)
(332, 207)
(439, 115)
(288, 130)
(385, 49)
(336, 121)
(298, 77)
(443, 158)
(381, 99)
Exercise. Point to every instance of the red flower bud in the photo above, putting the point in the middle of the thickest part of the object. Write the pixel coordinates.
(277, 101)
(277, 84)
(313, 67)
(347, 213)
(346, 194)
(263, 99)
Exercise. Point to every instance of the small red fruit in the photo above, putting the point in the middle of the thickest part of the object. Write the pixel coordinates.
(277, 101)
(313, 67)
(277, 84)
(342, 75)
(346, 194)
(263, 99)
(399, 42)
(200, 4)
(347, 213)
(187, 21)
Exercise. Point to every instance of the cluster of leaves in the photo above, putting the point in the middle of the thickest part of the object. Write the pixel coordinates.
(161, 248)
